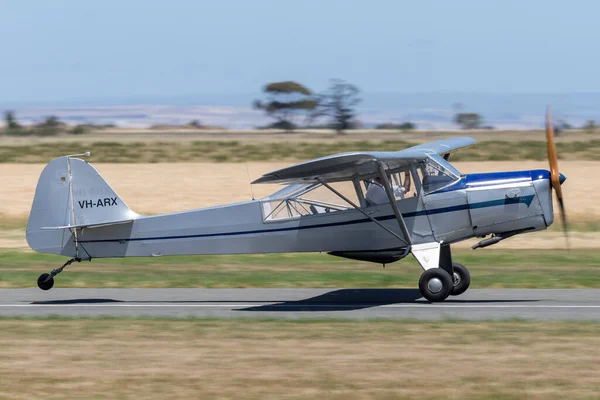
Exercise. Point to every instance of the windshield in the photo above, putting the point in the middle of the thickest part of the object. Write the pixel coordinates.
(438, 174)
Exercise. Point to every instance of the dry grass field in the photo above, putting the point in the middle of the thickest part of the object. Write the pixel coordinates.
(160, 188)
(254, 359)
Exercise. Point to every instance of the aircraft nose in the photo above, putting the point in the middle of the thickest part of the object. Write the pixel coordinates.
(561, 178)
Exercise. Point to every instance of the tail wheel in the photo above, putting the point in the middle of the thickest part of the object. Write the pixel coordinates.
(461, 279)
(45, 282)
(435, 284)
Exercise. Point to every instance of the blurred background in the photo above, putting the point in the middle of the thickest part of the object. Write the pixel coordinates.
(141, 63)
(272, 83)
(183, 103)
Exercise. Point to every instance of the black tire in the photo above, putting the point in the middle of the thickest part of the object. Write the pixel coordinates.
(43, 284)
(461, 280)
(429, 292)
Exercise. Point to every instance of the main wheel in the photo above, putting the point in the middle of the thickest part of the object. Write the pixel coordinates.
(45, 284)
(435, 284)
(461, 278)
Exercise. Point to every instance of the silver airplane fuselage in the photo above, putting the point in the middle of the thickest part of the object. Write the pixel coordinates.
(475, 205)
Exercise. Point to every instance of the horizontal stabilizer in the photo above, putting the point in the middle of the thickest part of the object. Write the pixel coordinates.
(81, 226)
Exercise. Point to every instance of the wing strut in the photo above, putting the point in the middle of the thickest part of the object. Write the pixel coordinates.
(392, 199)
(347, 200)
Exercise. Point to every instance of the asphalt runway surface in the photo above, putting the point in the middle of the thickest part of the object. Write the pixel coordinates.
(483, 304)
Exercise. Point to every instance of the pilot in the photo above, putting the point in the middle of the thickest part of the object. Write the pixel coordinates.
(376, 192)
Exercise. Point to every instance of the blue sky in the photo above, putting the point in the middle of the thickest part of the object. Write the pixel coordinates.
(70, 49)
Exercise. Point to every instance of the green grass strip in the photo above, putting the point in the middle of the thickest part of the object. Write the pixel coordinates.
(489, 269)
(237, 151)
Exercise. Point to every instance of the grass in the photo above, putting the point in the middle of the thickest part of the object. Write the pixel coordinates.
(489, 269)
(262, 359)
(243, 151)
(8, 222)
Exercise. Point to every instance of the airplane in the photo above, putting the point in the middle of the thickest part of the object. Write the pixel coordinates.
(75, 213)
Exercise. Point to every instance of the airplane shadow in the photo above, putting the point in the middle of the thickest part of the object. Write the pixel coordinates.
(100, 301)
(357, 299)
(76, 301)
(344, 300)
(335, 300)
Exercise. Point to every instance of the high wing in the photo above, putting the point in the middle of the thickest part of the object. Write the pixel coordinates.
(347, 166)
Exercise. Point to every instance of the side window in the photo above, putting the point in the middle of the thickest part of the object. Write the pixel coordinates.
(417, 185)
(323, 195)
(404, 182)
(309, 200)
(401, 183)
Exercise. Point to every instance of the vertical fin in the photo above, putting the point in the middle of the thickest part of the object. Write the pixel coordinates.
(71, 192)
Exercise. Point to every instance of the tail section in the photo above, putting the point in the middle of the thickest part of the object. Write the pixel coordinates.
(70, 195)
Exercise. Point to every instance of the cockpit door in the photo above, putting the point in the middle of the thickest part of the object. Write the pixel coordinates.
(445, 200)
(448, 215)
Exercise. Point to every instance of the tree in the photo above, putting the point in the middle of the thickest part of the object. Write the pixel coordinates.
(11, 121)
(590, 126)
(405, 126)
(560, 126)
(79, 129)
(338, 103)
(195, 124)
(284, 101)
(468, 120)
(50, 126)
(52, 121)
(564, 125)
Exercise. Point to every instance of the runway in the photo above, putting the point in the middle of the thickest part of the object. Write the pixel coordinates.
(486, 304)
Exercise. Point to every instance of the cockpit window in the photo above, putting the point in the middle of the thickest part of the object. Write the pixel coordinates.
(299, 200)
(437, 174)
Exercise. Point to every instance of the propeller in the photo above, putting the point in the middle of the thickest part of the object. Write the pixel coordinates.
(556, 178)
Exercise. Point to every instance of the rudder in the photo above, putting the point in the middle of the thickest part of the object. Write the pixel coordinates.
(77, 199)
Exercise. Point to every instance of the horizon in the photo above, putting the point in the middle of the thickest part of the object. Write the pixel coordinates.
(430, 111)
(224, 99)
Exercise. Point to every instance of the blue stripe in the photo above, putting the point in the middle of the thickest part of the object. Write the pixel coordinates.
(493, 203)
(478, 180)
(526, 175)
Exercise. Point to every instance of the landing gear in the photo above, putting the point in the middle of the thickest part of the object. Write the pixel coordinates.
(461, 278)
(435, 284)
(46, 281)
(442, 276)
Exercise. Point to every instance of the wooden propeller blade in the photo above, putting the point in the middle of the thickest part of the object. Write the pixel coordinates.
(552, 158)
(554, 174)
(563, 217)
